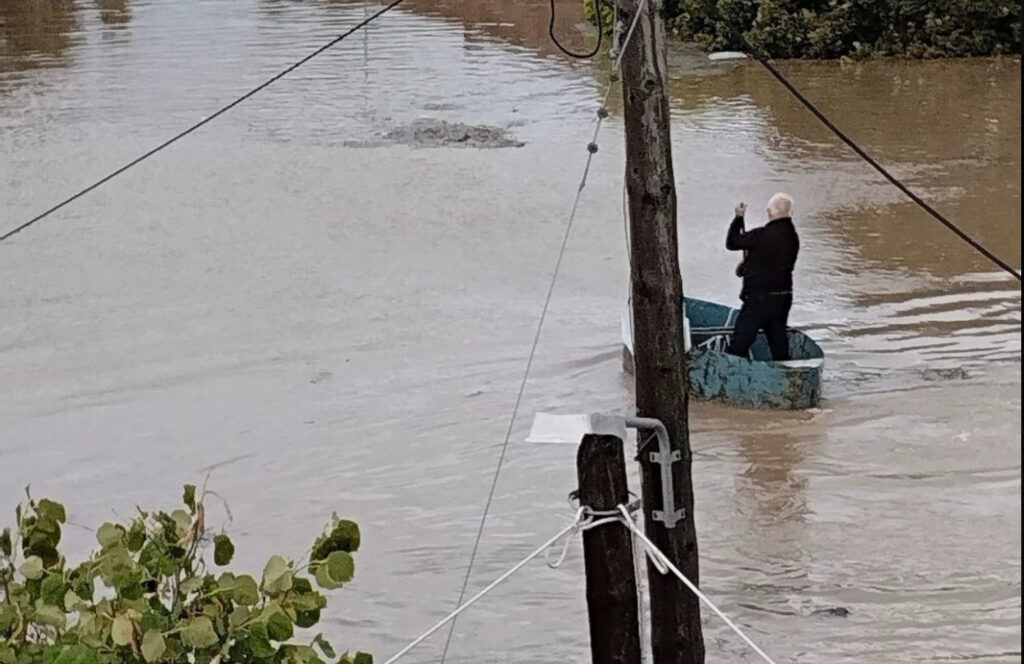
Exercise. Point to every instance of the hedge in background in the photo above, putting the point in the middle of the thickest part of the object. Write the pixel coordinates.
(823, 29)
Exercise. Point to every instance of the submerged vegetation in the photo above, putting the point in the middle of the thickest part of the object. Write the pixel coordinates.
(828, 29)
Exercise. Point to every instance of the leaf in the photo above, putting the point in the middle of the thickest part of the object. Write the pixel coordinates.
(306, 619)
(245, 591)
(214, 609)
(136, 537)
(279, 627)
(182, 522)
(324, 580)
(341, 566)
(226, 582)
(51, 590)
(47, 524)
(259, 642)
(190, 497)
(78, 654)
(128, 583)
(344, 536)
(325, 647)
(6, 544)
(336, 571)
(109, 534)
(310, 601)
(47, 614)
(199, 633)
(156, 562)
(358, 658)
(154, 620)
(88, 626)
(277, 576)
(32, 568)
(223, 550)
(121, 631)
(191, 585)
(72, 602)
(153, 645)
(6, 617)
(82, 583)
(42, 545)
(47, 509)
(238, 617)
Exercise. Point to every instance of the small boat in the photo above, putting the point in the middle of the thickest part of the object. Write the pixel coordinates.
(757, 382)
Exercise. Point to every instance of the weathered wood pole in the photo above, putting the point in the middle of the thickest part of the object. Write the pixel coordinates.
(608, 554)
(657, 293)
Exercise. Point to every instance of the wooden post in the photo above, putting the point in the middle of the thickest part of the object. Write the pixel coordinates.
(608, 554)
(657, 293)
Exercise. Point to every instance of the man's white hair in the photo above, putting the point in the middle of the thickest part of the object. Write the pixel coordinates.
(780, 205)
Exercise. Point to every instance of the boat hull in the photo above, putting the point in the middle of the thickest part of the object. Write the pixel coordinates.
(757, 382)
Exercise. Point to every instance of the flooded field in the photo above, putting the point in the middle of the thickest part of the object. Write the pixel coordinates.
(327, 298)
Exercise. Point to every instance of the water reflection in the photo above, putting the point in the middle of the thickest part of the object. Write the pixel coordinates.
(485, 20)
(260, 288)
(44, 33)
(771, 494)
(951, 131)
(771, 486)
(114, 13)
(527, 28)
(35, 33)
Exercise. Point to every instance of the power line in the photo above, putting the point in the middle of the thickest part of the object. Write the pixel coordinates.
(886, 174)
(519, 395)
(600, 33)
(592, 149)
(362, 24)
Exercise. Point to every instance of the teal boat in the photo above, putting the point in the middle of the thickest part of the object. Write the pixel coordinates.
(757, 382)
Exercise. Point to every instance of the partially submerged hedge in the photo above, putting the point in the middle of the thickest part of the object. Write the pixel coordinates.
(826, 29)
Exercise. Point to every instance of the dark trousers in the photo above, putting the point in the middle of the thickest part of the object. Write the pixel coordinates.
(763, 312)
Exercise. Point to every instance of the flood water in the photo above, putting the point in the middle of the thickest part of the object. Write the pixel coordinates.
(329, 321)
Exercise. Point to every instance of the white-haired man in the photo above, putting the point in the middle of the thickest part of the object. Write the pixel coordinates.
(769, 255)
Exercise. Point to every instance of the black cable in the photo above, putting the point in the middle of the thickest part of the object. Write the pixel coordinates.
(600, 34)
(204, 121)
(886, 174)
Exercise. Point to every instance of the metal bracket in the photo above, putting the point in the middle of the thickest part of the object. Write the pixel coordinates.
(571, 428)
(669, 516)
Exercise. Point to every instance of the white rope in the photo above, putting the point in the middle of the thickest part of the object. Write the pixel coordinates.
(585, 525)
(584, 520)
(662, 562)
(638, 572)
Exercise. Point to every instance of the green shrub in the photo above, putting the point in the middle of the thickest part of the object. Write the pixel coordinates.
(607, 14)
(837, 28)
(150, 594)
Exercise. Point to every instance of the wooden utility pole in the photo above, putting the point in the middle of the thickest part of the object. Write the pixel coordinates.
(657, 294)
(608, 554)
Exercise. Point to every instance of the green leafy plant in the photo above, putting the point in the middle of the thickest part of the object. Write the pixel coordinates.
(608, 17)
(823, 29)
(150, 596)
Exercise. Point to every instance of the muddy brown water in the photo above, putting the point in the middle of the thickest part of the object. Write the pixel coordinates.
(330, 321)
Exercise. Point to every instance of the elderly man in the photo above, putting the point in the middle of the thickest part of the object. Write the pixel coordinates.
(769, 254)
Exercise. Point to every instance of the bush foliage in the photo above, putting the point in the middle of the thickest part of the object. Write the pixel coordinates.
(150, 595)
(828, 29)
(824, 29)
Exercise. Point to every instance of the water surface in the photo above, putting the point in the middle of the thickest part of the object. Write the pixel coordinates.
(332, 322)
